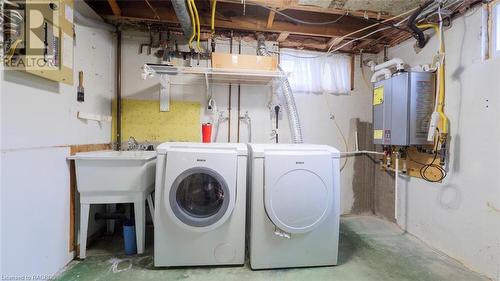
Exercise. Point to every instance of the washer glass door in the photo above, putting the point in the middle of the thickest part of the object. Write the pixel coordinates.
(199, 197)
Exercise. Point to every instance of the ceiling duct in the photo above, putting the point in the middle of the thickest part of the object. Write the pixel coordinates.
(182, 13)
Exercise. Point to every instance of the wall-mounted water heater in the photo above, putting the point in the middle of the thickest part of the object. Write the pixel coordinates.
(402, 108)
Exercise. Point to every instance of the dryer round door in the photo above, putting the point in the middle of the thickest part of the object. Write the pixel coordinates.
(200, 199)
(298, 192)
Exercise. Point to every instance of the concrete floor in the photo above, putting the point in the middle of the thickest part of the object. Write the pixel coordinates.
(370, 249)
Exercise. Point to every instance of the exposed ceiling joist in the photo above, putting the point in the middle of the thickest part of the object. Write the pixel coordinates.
(270, 19)
(153, 9)
(294, 5)
(115, 8)
(283, 36)
(255, 24)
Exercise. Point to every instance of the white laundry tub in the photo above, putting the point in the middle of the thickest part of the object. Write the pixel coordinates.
(110, 177)
(115, 171)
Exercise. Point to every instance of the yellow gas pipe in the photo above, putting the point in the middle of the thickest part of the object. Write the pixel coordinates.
(193, 23)
(443, 120)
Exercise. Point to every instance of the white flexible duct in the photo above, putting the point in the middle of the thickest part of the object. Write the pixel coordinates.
(395, 62)
(290, 106)
(382, 72)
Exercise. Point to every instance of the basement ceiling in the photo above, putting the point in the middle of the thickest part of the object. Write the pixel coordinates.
(245, 18)
(392, 7)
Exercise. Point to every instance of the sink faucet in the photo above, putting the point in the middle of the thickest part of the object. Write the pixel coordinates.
(132, 143)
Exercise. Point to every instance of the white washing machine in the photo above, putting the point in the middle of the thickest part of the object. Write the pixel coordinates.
(294, 206)
(200, 204)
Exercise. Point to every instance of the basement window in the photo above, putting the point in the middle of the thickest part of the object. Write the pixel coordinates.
(495, 29)
(315, 72)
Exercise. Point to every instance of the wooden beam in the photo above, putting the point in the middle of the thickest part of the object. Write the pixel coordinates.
(270, 19)
(153, 9)
(294, 5)
(282, 37)
(115, 8)
(253, 24)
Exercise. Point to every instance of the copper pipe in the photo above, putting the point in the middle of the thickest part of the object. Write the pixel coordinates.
(229, 115)
(239, 99)
(118, 89)
(229, 97)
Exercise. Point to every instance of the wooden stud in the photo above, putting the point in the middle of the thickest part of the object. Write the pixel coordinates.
(115, 8)
(282, 37)
(270, 19)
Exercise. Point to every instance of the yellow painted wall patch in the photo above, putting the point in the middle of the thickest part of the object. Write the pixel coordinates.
(378, 134)
(378, 95)
(143, 120)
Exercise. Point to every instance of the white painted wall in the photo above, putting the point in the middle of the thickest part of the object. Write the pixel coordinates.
(313, 110)
(38, 122)
(460, 216)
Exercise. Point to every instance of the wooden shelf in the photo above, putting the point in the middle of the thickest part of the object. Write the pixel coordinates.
(179, 74)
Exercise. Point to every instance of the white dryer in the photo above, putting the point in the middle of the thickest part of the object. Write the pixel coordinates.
(294, 205)
(200, 204)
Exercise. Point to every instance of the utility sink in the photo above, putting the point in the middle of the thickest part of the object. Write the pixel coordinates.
(115, 171)
(111, 177)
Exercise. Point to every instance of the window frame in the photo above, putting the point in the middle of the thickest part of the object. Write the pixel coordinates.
(491, 29)
(495, 28)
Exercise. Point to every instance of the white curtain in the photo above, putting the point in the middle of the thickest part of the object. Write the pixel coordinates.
(312, 73)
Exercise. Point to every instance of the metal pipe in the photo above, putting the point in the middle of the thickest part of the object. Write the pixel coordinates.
(396, 188)
(277, 114)
(229, 97)
(248, 120)
(239, 98)
(182, 14)
(118, 89)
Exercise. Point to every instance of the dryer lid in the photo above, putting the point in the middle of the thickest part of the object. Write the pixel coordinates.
(298, 189)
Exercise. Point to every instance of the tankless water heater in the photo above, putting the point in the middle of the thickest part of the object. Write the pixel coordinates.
(402, 108)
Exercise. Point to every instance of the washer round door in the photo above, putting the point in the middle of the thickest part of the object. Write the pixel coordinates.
(298, 191)
(200, 198)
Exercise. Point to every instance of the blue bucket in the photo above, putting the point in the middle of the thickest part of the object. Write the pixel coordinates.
(129, 238)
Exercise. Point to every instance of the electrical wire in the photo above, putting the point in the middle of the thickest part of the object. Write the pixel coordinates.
(197, 18)
(344, 139)
(193, 24)
(387, 24)
(426, 166)
(331, 51)
(214, 4)
(11, 3)
(303, 21)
